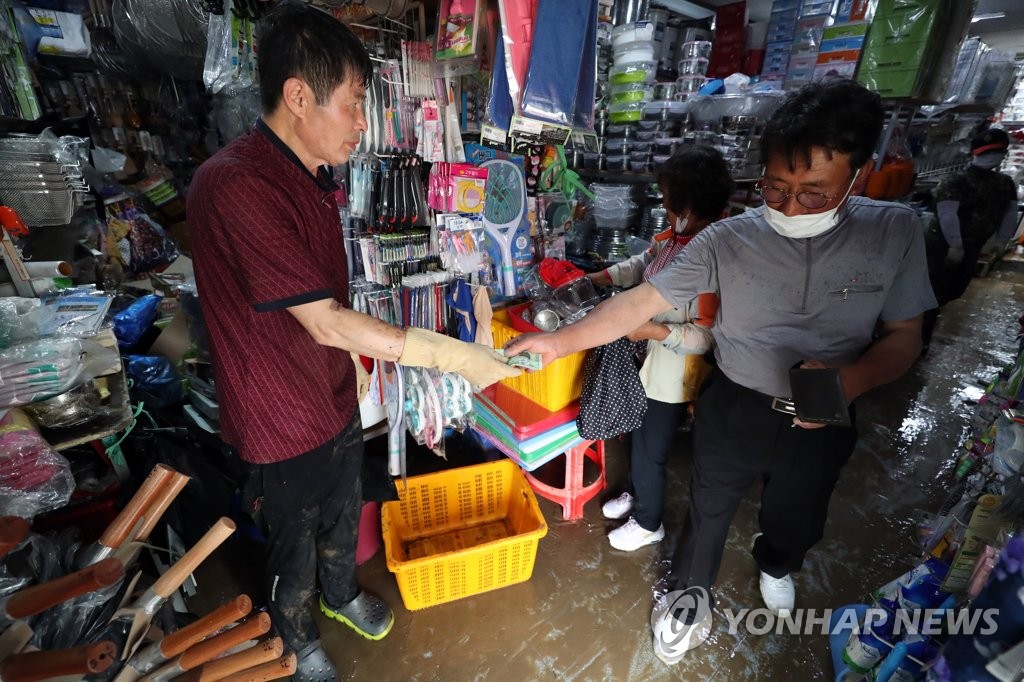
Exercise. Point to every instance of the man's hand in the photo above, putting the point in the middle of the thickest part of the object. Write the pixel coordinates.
(955, 255)
(600, 278)
(649, 331)
(546, 345)
(843, 378)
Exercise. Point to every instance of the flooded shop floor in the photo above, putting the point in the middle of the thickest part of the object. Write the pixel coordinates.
(585, 614)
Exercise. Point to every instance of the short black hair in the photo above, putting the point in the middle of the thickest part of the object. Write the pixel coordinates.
(297, 40)
(696, 178)
(837, 114)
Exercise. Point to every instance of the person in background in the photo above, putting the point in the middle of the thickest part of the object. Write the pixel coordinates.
(815, 278)
(273, 284)
(971, 206)
(696, 185)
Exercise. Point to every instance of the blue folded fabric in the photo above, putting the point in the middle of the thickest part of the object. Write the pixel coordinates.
(583, 115)
(560, 36)
(499, 105)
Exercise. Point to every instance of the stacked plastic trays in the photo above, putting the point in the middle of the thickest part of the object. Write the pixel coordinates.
(614, 213)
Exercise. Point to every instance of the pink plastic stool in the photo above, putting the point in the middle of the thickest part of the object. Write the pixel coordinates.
(574, 495)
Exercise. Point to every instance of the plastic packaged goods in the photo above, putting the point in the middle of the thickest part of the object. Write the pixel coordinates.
(556, 59)
(34, 478)
(43, 368)
(583, 110)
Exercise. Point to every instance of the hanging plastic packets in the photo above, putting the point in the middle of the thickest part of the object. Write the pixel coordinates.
(397, 195)
(423, 303)
(459, 38)
(517, 19)
(435, 402)
(500, 104)
(457, 187)
(382, 303)
(389, 258)
(460, 241)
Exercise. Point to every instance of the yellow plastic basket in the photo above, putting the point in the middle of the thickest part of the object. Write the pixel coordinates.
(553, 387)
(462, 532)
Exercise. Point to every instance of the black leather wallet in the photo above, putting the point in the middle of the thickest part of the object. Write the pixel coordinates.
(818, 396)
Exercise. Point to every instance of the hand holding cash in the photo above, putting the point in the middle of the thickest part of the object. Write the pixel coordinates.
(526, 360)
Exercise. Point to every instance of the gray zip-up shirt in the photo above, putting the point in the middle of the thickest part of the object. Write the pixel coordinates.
(784, 300)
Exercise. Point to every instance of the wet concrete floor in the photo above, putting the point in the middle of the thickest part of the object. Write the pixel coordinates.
(585, 613)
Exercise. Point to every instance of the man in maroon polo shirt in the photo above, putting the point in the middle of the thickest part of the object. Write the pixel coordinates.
(273, 285)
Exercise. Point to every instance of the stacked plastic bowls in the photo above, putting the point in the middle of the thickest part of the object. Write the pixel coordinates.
(614, 213)
(633, 72)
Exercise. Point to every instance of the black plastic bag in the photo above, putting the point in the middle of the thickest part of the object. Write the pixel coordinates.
(613, 400)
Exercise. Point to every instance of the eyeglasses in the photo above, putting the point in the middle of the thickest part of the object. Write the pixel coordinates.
(774, 195)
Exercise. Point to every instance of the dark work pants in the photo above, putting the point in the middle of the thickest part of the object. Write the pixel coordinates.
(311, 506)
(649, 447)
(739, 439)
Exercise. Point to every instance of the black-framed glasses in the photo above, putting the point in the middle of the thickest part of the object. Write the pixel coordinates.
(774, 195)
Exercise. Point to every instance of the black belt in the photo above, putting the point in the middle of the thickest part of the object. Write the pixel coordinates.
(783, 405)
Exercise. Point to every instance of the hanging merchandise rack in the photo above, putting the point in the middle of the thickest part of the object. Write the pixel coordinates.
(41, 188)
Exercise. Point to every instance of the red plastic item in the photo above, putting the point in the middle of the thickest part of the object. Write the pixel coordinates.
(556, 272)
(11, 221)
(515, 318)
(525, 417)
(575, 494)
(369, 533)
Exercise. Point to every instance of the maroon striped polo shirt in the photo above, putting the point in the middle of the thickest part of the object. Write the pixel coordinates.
(266, 235)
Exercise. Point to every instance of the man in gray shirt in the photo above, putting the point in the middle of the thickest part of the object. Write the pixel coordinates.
(816, 278)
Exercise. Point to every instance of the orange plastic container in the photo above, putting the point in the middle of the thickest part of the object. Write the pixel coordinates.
(553, 387)
(462, 532)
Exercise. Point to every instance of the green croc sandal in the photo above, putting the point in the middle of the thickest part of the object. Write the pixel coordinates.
(367, 614)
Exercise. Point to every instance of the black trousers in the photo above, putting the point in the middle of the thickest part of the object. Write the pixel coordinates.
(649, 447)
(310, 507)
(739, 439)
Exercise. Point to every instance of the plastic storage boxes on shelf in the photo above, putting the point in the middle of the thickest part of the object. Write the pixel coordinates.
(900, 50)
(630, 92)
(462, 532)
(634, 32)
(633, 72)
(841, 48)
(639, 51)
(625, 112)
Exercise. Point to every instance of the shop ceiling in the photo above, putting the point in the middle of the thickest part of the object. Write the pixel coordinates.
(758, 10)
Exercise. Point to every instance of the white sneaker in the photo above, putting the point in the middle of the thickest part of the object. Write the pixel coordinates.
(672, 639)
(631, 536)
(618, 507)
(779, 594)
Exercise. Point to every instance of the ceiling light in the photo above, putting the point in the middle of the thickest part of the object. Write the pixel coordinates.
(986, 17)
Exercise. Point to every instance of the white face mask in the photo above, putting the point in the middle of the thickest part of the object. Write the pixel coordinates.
(808, 224)
(989, 160)
(681, 223)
